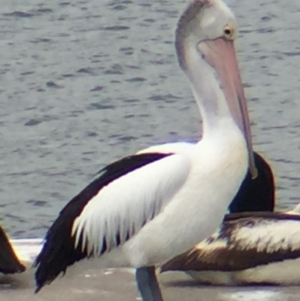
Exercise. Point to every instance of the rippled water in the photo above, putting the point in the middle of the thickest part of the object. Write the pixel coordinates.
(83, 83)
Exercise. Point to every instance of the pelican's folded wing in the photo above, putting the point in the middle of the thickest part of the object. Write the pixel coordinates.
(109, 211)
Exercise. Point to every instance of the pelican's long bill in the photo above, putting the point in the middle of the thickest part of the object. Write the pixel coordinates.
(220, 55)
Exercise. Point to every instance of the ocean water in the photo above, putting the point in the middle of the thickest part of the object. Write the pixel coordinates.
(83, 83)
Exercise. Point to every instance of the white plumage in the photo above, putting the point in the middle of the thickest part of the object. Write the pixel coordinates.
(268, 235)
(127, 203)
(155, 199)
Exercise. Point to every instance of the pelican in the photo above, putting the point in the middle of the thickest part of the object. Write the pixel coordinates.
(9, 262)
(149, 207)
(249, 248)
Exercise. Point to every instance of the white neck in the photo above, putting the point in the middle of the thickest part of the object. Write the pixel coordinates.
(207, 92)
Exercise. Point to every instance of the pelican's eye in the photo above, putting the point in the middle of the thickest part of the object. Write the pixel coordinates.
(228, 32)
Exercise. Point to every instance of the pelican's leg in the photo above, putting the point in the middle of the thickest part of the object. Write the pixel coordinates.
(147, 284)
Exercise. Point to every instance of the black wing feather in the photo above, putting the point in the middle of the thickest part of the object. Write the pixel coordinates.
(238, 217)
(256, 194)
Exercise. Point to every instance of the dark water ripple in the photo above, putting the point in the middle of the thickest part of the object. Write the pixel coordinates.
(86, 82)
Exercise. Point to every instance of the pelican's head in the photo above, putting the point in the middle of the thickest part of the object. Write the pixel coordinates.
(206, 32)
(204, 20)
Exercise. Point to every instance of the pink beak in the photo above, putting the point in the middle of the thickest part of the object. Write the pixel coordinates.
(220, 54)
